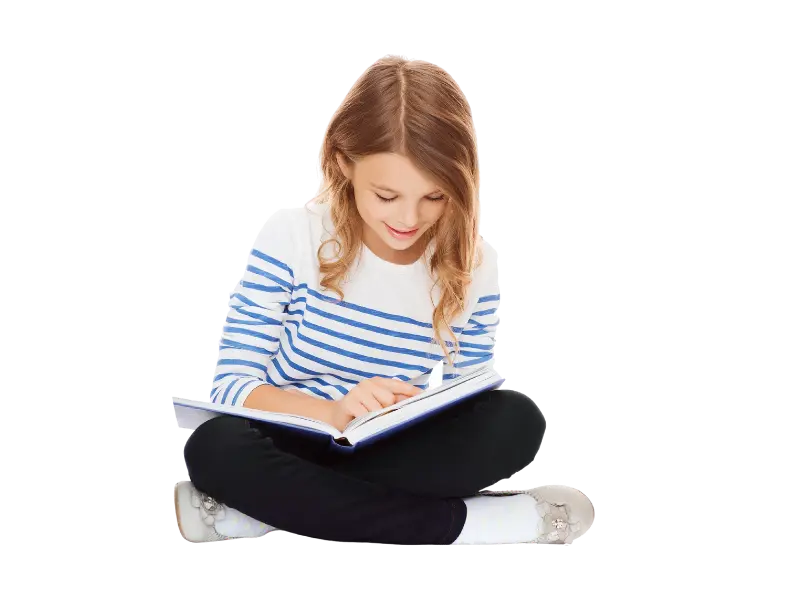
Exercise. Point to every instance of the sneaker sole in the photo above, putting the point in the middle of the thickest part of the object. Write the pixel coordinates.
(178, 513)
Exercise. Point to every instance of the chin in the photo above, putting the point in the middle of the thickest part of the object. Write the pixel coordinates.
(401, 244)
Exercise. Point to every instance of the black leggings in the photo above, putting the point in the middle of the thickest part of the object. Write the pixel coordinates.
(402, 489)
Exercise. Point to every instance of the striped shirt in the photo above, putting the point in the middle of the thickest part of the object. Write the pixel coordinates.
(283, 330)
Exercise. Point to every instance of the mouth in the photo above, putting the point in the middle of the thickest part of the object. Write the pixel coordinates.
(401, 235)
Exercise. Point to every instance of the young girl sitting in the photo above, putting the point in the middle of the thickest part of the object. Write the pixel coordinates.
(345, 307)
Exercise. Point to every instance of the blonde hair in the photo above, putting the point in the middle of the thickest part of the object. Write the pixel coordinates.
(414, 109)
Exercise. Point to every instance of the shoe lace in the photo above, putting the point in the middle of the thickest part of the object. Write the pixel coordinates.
(210, 505)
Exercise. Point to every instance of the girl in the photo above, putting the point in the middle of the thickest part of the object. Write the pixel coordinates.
(345, 307)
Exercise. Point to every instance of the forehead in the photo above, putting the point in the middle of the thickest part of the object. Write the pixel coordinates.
(395, 172)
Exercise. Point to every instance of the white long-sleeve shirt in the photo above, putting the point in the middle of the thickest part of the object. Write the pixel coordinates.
(283, 330)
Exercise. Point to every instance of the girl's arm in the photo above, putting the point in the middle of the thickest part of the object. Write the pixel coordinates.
(257, 309)
(293, 402)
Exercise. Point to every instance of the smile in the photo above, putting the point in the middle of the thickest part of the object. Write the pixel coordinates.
(401, 235)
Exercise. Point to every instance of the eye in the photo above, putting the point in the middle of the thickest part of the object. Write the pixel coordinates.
(385, 199)
(437, 199)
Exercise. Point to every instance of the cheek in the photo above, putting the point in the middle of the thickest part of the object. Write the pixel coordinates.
(370, 209)
(433, 212)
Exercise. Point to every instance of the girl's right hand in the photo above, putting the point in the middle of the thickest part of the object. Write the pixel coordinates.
(370, 395)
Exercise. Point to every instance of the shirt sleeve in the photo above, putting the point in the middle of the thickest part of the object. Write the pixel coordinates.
(257, 309)
(477, 338)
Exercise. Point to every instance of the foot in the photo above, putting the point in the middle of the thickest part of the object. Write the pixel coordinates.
(566, 513)
(199, 516)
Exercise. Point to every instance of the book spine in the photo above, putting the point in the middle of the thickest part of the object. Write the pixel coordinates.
(341, 446)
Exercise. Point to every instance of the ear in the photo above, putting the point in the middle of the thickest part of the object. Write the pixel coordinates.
(343, 166)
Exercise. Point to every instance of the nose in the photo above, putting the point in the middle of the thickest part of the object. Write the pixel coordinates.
(410, 218)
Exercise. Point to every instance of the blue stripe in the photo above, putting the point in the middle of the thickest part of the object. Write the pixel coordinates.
(243, 299)
(293, 379)
(475, 332)
(242, 322)
(221, 375)
(236, 397)
(261, 288)
(479, 324)
(297, 367)
(364, 309)
(391, 332)
(270, 276)
(274, 261)
(242, 363)
(368, 310)
(360, 373)
(354, 355)
(228, 389)
(243, 331)
(475, 354)
(479, 346)
(239, 346)
(363, 342)
(368, 327)
(477, 361)
(262, 318)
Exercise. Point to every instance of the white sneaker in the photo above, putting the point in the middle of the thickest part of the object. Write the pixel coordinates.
(566, 512)
(198, 513)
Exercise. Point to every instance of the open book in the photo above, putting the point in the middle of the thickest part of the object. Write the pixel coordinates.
(362, 430)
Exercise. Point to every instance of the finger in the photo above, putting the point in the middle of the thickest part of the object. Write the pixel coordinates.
(355, 408)
(399, 387)
(375, 399)
(382, 395)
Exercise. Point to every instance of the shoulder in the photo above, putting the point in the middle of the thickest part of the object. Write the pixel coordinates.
(294, 231)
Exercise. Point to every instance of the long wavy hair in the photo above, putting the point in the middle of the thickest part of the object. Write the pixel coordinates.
(416, 110)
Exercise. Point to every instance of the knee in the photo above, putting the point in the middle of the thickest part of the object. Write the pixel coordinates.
(211, 442)
(525, 425)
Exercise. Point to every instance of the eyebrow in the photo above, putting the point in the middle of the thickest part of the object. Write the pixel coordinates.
(386, 189)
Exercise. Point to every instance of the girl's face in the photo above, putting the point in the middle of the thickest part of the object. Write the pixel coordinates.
(391, 195)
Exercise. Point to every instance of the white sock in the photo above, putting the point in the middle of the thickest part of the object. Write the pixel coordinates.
(238, 524)
(500, 520)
